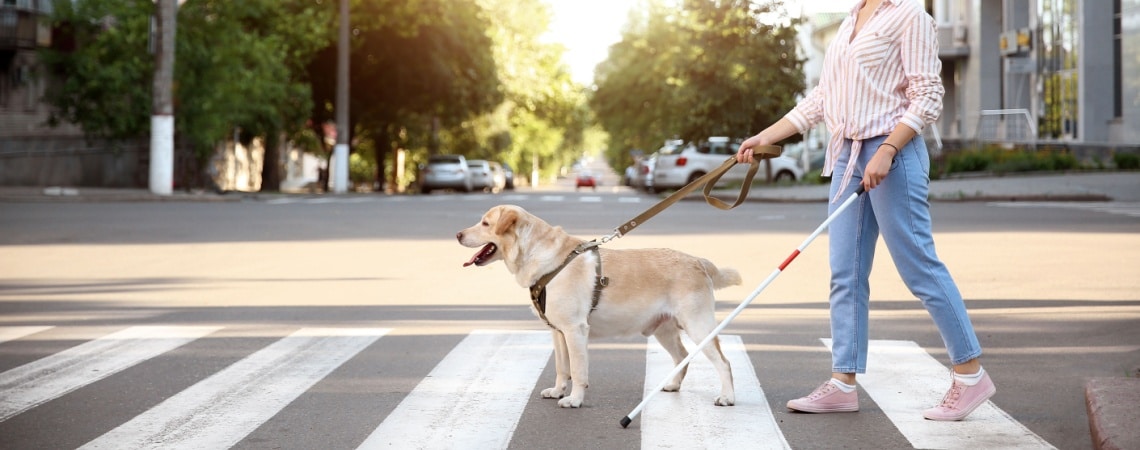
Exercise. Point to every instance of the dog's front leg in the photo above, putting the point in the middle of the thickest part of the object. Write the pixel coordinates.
(561, 367)
(577, 338)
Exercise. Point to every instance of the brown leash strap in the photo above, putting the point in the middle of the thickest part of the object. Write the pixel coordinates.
(708, 180)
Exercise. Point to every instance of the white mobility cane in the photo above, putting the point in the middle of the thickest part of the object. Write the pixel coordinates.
(625, 421)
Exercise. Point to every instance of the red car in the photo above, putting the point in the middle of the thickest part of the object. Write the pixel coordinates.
(586, 179)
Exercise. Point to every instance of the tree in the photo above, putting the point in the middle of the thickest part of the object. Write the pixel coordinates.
(424, 62)
(238, 66)
(700, 69)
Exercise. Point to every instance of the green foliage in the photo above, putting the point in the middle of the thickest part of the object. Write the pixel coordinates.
(699, 69)
(1126, 161)
(237, 65)
(1000, 160)
(105, 81)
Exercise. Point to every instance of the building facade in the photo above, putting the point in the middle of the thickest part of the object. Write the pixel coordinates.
(1052, 72)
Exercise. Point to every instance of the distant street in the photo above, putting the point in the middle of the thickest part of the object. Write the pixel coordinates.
(336, 321)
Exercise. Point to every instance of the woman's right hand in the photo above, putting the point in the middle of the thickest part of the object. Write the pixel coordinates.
(744, 153)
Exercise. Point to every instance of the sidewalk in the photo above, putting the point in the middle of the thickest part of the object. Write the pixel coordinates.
(1099, 186)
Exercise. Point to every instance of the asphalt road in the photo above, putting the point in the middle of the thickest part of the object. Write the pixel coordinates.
(1052, 290)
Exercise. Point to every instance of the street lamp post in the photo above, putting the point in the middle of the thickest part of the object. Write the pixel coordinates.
(161, 178)
(340, 152)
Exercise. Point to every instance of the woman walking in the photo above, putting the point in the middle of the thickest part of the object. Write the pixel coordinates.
(879, 88)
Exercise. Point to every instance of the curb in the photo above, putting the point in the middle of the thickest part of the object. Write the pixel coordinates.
(1111, 405)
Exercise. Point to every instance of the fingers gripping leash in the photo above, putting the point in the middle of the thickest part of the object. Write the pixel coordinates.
(625, 421)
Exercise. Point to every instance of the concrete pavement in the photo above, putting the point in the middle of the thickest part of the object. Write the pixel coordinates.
(1110, 401)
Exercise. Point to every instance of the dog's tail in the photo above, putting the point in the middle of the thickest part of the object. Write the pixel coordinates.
(721, 277)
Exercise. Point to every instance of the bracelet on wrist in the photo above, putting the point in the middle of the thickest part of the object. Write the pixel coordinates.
(888, 144)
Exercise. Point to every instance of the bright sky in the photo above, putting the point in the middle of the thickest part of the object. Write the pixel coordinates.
(588, 27)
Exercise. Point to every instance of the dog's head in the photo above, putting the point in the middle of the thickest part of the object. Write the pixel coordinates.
(494, 234)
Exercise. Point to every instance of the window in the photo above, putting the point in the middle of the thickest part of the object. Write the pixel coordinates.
(1058, 57)
(1117, 69)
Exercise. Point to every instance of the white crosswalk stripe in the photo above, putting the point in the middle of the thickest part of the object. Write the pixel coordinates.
(688, 418)
(904, 380)
(220, 410)
(39, 381)
(474, 396)
(1130, 209)
(13, 333)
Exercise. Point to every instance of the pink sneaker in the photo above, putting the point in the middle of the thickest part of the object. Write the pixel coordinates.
(827, 398)
(961, 400)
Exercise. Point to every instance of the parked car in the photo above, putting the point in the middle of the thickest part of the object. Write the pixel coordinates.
(510, 175)
(445, 172)
(681, 165)
(487, 175)
(813, 160)
(643, 176)
(586, 179)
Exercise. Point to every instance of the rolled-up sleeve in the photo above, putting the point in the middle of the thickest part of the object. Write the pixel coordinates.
(809, 111)
(924, 73)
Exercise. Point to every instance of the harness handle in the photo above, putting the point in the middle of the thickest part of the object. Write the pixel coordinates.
(709, 181)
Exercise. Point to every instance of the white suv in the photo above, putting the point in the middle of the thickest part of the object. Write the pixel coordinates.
(678, 165)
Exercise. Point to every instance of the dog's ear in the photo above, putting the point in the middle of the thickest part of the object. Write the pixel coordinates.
(507, 219)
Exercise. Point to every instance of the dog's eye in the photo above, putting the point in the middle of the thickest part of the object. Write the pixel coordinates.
(486, 224)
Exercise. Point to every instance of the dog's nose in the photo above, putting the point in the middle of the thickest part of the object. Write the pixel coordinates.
(459, 236)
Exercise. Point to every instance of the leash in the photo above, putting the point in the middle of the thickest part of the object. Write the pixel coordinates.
(708, 180)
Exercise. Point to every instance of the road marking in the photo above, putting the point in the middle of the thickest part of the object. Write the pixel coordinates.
(629, 199)
(552, 198)
(13, 333)
(903, 380)
(222, 409)
(473, 398)
(37, 382)
(590, 199)
(1130, 209)
(688, 418)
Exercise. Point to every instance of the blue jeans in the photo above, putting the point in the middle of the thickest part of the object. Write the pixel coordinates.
(899, 210)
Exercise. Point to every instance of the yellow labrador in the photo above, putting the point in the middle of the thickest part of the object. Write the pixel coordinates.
(657, 292)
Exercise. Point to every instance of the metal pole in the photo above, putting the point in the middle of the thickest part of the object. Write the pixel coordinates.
(340, 152)
(161, 178)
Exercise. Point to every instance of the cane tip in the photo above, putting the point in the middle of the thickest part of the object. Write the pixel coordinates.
(625, 421)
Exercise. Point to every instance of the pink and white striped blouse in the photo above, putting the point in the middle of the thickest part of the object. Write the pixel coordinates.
(887, 74)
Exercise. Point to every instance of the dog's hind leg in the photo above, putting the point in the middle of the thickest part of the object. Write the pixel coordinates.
(698, 331)
(561, 367)
(669, 336)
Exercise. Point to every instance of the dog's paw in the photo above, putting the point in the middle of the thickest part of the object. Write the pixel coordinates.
(722, 400)
(554, 392)
(672, 387)
(570, 402)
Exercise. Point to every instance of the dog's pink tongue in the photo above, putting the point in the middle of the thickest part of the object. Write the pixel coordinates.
(474, 258)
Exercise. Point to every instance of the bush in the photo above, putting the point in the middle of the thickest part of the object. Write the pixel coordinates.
(1000, 160)
(1126, 161)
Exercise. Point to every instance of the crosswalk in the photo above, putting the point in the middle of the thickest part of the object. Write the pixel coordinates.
(475, 395)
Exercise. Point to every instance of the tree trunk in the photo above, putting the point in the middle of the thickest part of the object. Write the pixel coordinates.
(271, 163)
(383, 147)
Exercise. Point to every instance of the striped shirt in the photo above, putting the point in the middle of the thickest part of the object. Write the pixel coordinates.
(887, 74)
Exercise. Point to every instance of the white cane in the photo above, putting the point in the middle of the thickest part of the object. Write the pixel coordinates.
(625, 421)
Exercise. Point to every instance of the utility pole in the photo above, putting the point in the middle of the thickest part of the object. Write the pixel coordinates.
(162, 120)
(340, 152)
